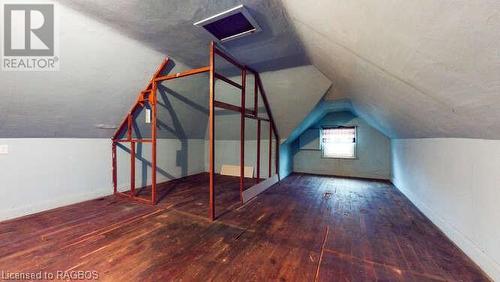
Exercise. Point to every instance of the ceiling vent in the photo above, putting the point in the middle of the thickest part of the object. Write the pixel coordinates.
(231, 24)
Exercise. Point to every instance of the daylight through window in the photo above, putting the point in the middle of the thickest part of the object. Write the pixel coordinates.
(339, 142)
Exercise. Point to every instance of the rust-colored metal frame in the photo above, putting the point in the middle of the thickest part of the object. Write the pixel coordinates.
(148, 96)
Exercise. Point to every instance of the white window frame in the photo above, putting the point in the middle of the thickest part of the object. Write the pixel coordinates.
(355, 142)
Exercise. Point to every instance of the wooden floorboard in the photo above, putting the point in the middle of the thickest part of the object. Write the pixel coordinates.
(306, 228)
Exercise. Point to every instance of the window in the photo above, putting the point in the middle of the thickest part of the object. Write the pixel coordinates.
(339, 142)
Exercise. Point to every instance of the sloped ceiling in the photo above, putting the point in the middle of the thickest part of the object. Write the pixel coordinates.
(109, 49)
(413, 68)
(410, 68)
(317, 113)
(167, 27)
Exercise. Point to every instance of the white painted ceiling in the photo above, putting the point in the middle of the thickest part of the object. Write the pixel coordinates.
(413, 68)
(167, 27)
(410, 68)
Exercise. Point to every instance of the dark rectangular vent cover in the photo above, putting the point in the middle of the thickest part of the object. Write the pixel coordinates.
(231, 24)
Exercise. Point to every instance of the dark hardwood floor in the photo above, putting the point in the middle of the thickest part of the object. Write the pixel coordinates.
(306, 228)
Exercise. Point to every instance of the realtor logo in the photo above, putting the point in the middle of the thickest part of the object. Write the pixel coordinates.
(29, 37)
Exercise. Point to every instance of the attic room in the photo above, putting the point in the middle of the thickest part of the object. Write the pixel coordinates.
(250, 140)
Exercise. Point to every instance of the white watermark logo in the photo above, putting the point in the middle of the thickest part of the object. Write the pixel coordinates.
(30, 37)
(59, 275)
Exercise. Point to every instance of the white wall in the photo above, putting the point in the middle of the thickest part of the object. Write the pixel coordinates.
(228, 152)
(373, 151)
(456, 183)
(175, 158)
(41, 174)
(44, 173)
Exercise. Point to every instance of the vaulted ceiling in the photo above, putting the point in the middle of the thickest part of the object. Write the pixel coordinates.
(413, 68)
(410, 68)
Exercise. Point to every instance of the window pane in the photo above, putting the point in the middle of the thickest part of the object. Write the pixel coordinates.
(339, 150)
(339, 142)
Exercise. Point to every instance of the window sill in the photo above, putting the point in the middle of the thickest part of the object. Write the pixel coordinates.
(339, 158)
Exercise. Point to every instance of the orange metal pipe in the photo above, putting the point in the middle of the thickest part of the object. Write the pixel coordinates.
(153, 144)
(228, 58)
(211, 132)
(182, 74)
(254, 117)
(226, 106)
(277, 160)
(151, 89)
(136, 104)
(270, 147)
(266, 105)
(256, 96)
(133, 140)
(223, 105)
(227, 80)
(132, 168)
(242, 134)
(132, 157)
(113, 165)
(136, 199)
(258, 150)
